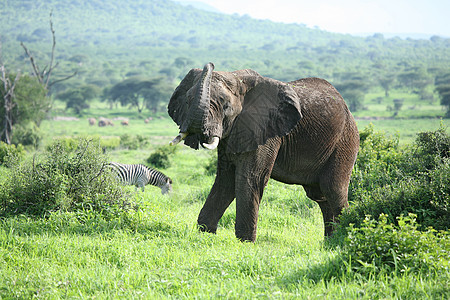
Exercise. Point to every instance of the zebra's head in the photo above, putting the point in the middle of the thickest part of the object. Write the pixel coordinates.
(167, 187)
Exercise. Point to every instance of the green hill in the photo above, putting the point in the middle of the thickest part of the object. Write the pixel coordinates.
(107, 41)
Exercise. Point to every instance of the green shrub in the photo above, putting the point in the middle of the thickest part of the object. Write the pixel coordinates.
(399, 180)
(432, 147)
(160, 157)
(63, 177)
(29, 135)
(68, 143)
(110, 143)
(8, 152)
(133, 142)
(379, 246)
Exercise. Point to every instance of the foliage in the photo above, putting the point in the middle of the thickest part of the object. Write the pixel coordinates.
(77, 99)
(416, 79)
(8, 152)
(113, 43)
(160, 158)
(393, 180)
(27, 135)
(353, 90)
(29, 106)
(138, 92)
(66, 177)
(133, 142)
(379, 246)
(443, 88)
(32, 104)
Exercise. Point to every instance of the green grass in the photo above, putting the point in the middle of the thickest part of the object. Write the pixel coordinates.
(407, 129)
(157, 252)
(376, 104)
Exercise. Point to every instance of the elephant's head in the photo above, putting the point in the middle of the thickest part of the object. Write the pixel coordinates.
(242, 108)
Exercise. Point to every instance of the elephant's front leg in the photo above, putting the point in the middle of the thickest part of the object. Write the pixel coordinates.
(220, 197)
(252, 175)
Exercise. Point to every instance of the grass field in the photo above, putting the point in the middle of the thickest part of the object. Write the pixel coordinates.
(157, 252)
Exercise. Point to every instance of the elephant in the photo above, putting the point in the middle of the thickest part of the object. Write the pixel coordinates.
(300, 132)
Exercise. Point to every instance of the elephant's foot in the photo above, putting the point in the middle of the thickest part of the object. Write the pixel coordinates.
(203, 227)
(246, 236)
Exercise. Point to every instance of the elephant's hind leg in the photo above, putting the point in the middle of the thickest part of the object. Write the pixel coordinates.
(327, 204)
(334, 186)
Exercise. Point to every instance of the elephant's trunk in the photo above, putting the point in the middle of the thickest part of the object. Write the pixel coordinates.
(199, 110)
(200, 107)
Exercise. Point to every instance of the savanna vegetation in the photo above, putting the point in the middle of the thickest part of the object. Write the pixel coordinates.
(68, 230)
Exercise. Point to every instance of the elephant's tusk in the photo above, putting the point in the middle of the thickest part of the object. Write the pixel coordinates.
(213, 145)
(179, 138)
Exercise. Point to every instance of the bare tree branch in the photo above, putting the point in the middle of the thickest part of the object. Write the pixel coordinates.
(50, 68)
(62, 79)
(45, 75)
(36, 71)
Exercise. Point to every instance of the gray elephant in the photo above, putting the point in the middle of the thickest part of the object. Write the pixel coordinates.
(299, 132)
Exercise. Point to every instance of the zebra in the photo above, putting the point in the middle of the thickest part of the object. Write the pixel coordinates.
(140, 175)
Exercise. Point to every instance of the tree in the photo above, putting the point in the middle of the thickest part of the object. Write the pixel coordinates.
(7, 90)
(415, 79)
(76, 99)
(442, 84)
(386, 83)
(138, 92)
(353, 92)
(45, 75)
(24, 97)
(24, 102)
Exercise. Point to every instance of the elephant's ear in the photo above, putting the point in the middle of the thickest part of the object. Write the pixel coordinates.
(271, 108)
(178, 104)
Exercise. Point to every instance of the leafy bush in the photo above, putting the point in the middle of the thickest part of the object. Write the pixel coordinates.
(380, 246)
(67, 143)
(112, 142)
(8, 152)
(393, 180)
(133, 142)
(29, 135)
(64, 177)
(106, 142)
(160, 157)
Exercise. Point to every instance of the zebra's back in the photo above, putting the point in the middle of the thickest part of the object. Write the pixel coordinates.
(140, 175)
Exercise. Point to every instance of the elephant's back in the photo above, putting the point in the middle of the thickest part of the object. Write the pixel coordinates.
(325, 125)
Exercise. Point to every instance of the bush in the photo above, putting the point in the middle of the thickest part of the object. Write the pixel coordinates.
(379, 246)
(109, 142)
(160, 157)
(11, 152)
(393, 180)
(29, 135)
(133, 142)
(64, 177)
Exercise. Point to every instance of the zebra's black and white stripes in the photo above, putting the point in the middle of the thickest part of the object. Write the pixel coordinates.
(140, 175)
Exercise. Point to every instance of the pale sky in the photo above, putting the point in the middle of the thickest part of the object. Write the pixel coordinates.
(348, 16)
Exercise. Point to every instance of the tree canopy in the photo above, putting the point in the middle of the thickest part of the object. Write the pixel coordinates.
(138, 92)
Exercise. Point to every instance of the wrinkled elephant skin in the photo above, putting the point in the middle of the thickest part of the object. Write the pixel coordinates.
(299, 132)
